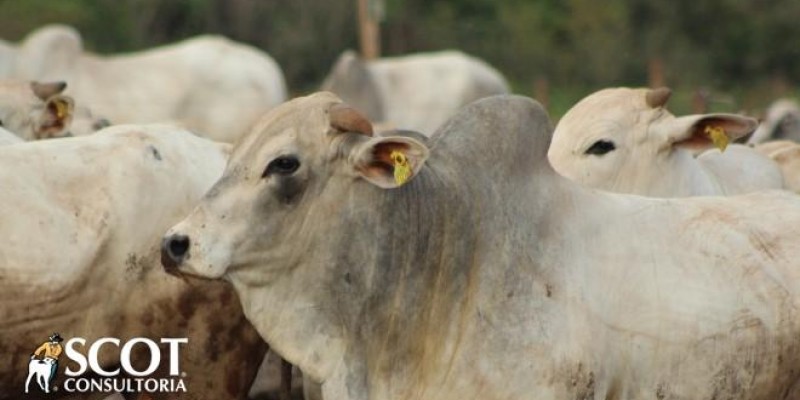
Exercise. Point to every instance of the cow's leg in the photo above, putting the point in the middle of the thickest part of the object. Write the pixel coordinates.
(43, 382)
(28, 381)
(286, 380)
(311, 390)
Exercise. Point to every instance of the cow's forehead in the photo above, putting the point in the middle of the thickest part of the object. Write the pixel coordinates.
(303, 120)
(620, 107)
(617, 98)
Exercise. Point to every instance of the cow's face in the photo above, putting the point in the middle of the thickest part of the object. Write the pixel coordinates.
(618, 137)
(283, 186)
(35, 110)
(593, 140)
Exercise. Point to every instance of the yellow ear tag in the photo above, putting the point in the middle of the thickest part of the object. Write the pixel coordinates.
(402, 172)
(61, 109)
(718, 136)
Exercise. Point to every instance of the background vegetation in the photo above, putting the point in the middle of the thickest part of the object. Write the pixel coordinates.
(740, 54)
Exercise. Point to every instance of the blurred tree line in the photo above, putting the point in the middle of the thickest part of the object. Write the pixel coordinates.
(743, 53)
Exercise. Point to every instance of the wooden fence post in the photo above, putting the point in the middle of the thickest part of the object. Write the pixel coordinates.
(655, 73)
(369, 32)
(541, 91)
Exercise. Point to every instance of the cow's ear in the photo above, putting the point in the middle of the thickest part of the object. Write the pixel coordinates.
(389, 161)
(702, 132)
(46, 90)
(56, 117)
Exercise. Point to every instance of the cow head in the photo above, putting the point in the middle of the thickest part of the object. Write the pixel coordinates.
(35, 110)
(283, 186)
(617, 137)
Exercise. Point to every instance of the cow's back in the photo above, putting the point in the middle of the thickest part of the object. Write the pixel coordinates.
(741, 169)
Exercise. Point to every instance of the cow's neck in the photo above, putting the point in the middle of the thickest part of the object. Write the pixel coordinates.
(413, 268)
(297, 327)
(397, 274)
(686, 177)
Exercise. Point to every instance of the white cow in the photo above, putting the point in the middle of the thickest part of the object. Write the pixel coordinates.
(34, 110)
(209, 84)
(417, 92)
(8, 58)
(81, 220)
(39, 371)
(464, 267)
(624, 140)
(781, 122)
(40, 110)
(7, 137)
(786, 154)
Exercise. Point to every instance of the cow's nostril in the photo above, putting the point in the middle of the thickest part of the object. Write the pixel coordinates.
(174, 249)
(179, 246)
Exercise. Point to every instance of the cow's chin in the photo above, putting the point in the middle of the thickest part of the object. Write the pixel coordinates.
(211, 266)
(191, 269)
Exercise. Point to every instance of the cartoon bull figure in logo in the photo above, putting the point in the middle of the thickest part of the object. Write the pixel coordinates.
(44, 369)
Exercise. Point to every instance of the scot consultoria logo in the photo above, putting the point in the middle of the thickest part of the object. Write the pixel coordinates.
(44, 363)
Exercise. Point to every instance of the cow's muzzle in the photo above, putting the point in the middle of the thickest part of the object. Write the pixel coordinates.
(174, 250)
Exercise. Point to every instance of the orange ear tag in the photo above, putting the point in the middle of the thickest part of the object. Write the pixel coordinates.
(718, 136)
(402, 172)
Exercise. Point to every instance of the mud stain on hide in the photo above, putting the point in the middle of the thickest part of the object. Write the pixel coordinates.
(154, 152)
(582, 383)
(765, 244)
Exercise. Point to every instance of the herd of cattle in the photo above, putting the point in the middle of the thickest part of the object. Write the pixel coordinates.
(411, 235)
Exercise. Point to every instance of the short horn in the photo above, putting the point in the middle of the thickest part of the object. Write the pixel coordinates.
(347, 119)
(658, 97)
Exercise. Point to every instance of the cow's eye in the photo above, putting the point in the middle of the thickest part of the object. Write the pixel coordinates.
(601, 147)
(283, 165)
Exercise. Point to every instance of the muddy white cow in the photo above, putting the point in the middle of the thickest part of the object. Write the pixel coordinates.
(81, 220)
(464, 266)
(624, 140)
(417, 91)
(209, 84)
